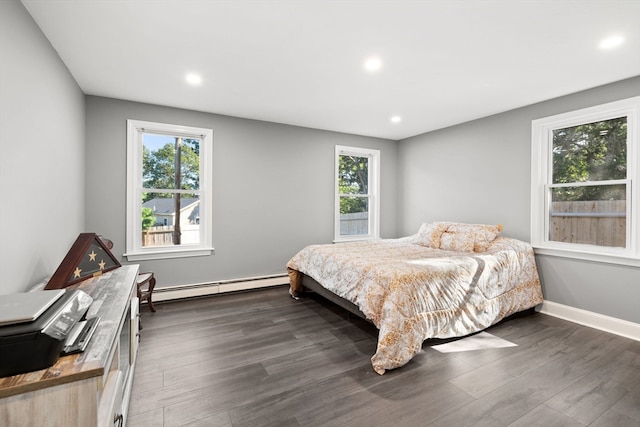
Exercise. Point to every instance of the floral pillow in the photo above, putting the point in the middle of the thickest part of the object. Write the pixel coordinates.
(430, 233)
(456, 242)
(469, 237)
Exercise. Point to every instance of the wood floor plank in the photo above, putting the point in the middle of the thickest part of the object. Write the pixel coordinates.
(513, 400)
(152, 417)
(261, 358)
(597, 391)
(493, 375)
(549, 417)
(614, 419)
(629, 405)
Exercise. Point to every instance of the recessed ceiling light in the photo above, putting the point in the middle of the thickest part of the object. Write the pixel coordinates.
(396, 119)
(193, 79)
(611, 42)
(373, 64)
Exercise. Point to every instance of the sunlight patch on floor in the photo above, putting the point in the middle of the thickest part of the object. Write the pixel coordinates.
(481, 341)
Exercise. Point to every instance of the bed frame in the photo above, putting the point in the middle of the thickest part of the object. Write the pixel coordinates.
(310, 284)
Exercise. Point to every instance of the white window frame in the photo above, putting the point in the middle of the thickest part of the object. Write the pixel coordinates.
(373, 196)
(541, 171)
(134, 250)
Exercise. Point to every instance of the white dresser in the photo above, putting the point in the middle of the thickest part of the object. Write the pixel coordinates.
(90, 388)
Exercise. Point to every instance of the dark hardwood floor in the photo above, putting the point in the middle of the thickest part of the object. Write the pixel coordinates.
(261, 358)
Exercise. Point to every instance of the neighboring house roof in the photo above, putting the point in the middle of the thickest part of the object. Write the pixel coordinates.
(167, 206)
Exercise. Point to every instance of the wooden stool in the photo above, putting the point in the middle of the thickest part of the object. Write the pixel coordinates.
(145, 295)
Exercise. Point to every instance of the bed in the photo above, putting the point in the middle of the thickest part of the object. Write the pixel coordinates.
(448, 280)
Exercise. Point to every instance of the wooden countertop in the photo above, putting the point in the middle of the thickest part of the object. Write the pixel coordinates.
(111, 294)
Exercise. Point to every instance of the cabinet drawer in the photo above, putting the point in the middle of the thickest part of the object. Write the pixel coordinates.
(111, 400)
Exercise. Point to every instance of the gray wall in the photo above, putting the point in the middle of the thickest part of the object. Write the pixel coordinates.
(272, 188)
(475, 172)
(480, 171)
(42, 160)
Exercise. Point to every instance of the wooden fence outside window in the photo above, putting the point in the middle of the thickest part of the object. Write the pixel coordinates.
(599, 222)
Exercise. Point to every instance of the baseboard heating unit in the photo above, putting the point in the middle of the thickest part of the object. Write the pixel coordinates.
(211, 288)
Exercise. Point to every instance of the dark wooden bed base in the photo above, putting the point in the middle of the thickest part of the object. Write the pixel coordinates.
(311, 285)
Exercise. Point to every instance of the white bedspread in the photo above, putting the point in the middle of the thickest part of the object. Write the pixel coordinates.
(411, 292)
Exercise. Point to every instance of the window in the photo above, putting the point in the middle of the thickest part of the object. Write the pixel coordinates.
(357, 204)
(585, 178)
(168, 191)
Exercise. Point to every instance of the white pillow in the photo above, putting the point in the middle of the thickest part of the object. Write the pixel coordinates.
(429, 234)
(456, 242)
(469, 237)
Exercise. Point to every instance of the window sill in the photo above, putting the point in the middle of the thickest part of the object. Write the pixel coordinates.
(588, 256)
(168, 253)
(356, 239)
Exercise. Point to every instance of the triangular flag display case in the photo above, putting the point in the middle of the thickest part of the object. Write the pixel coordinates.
(88, 257)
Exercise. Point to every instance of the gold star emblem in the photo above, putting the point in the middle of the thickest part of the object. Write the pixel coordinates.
(92, 256)
(102, 264)
(76, 273)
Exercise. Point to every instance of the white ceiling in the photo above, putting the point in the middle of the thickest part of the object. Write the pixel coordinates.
(301, 62)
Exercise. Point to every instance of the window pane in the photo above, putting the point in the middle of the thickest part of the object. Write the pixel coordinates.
(354, 216)
(590, 152)
(353, 174)
(190, 164)
(160, 160)
(594, 215)
(160, 215)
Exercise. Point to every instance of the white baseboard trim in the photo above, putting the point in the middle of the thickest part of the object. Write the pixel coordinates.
(203, 289)
(609, 324)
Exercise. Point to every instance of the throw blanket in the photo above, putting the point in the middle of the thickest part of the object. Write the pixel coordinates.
(412, 292)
